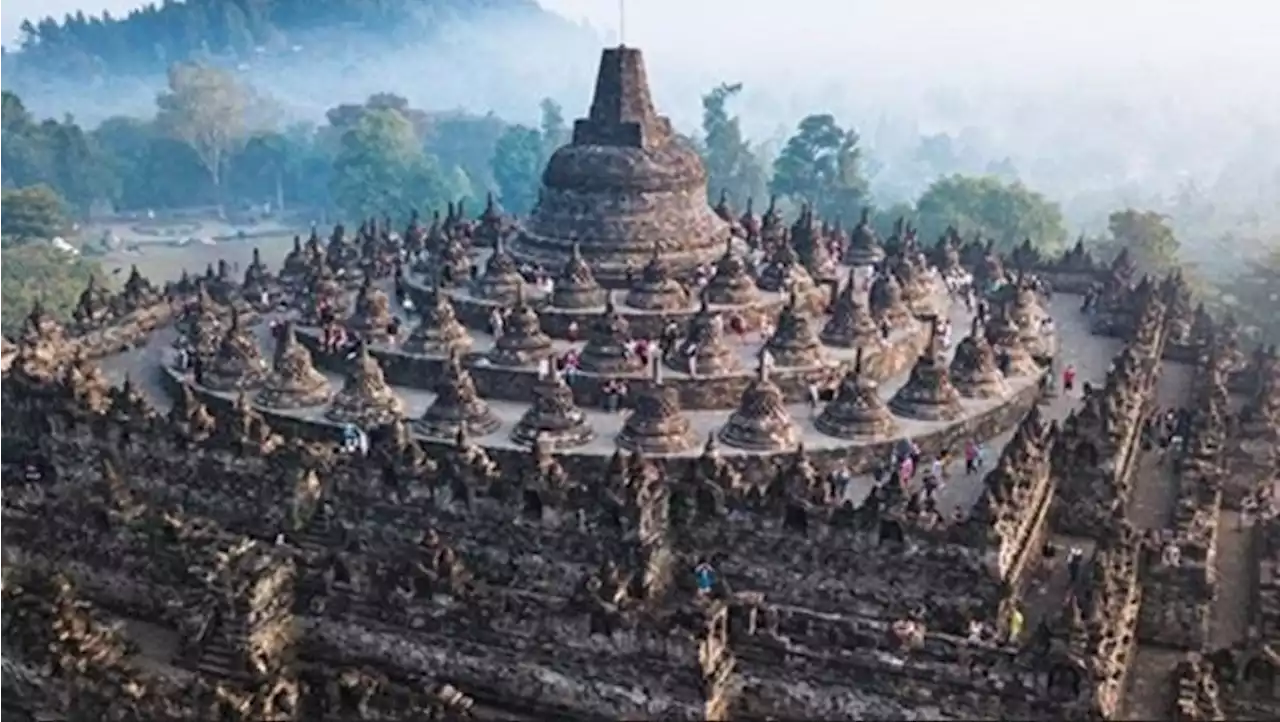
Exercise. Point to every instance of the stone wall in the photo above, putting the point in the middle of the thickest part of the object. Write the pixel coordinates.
(420, 371)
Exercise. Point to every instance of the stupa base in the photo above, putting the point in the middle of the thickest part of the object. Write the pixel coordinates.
(365, 415)
(780, 435)
(294, 398)
(927, 410)
(445, 426)
(555, 437)
(667, 436)
(856, 428)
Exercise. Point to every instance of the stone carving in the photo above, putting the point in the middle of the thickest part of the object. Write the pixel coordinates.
(371, 318)
(607, 350)
(928, 394)
(974, 370)
(365, 399)
(522, 341)
(457, 407)
(857, 411)
(794, 342)
(851, 324)
(237, 365)
(732, 284)
(657, 426)
(761, 422)
(1007, 341)
(293, 382)
(656, 289)
(624, 185)
(705, 349)
(576, 287)
(784, 272)
(501, 280)
(810, 242)
(554, 419)
(864, 247)
(887, 303)
(439, 332)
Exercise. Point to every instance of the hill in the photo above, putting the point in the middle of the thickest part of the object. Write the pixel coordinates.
(147, 40)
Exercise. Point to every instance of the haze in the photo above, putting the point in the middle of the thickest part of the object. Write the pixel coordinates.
(1096, 103)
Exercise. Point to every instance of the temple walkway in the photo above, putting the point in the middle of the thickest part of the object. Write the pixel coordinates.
(1148, 688)
(1236, 570)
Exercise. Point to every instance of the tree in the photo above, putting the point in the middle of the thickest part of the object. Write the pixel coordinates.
(732, 165)
(819, 165)
(207, 109)
(517, 164)
(381, 168)
(1148, 237)
(1255, 293)
(34, 213)
(1007, 213)
(555, 132)
(41, 272)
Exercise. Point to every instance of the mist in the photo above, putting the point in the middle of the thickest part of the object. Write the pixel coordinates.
(1097, 104)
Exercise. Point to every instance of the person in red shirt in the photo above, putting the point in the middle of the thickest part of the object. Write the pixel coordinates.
(1069, 378)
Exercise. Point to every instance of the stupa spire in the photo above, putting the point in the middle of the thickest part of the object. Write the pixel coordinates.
(622, 112)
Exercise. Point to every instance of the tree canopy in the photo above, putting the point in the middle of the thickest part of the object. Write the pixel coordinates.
(1006, 212)
(31, 214)
(41, 272)
(733, 167)
(1148, 237)
(821, 165)
(149, 39)
(381, 168)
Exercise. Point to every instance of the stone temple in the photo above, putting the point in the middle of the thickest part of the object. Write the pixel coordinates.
(538, 518)
(624, 187)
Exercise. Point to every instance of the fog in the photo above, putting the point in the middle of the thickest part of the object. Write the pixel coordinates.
(1171, 106)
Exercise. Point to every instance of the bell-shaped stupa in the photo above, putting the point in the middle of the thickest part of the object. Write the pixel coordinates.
(851, 324)
(761, 421)
(928, 394)
(624, 184)
(554, 419)
(439, 332)
(293, 382)
(365, 399)
(857, 411)
(458, 407)
(657, 425)
(522, 341)
(607, 350)
(974, 370)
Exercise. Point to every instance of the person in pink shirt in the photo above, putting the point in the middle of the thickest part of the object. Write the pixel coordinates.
(906, 469)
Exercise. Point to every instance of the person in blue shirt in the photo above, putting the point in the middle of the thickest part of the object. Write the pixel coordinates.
(350, 437)
(705, 576)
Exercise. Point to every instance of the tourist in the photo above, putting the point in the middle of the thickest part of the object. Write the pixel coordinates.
(946, 334)
(197, 369)
(885, 329)
(766, 360)
(571, 333)
(643, 351)
(705, 576)
(1074, 559)
(691, 358)
(1248, 509)
(1069, 379)
(611, 394)
(350, 438)
(938, 469)
(183, 359)
(1172, 555)
(1016, 620)
(737, 325)
(544, 368)
(393, 330)
(815, 397)
(496, 323)
(670, 337)
(766, 330)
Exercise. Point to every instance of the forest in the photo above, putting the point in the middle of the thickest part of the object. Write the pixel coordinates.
(215, 142)
(150, 39)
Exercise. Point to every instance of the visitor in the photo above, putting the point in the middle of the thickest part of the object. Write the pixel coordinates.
(766, 330)
(612, 393)
(705, 576)
(939, 467)
(544, 368)
(815, 397)
(197, 369)
(885, 329)
(1069, 379)
(970, 457)
(393, 330)
(183, 359)
(571, 333)
(737, 326)
(496, 323)
(691, 358)
(1074, 559)
(350, 438)
(1248, 508)
(1016, 621)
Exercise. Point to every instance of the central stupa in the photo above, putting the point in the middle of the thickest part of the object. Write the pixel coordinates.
(625, 186)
